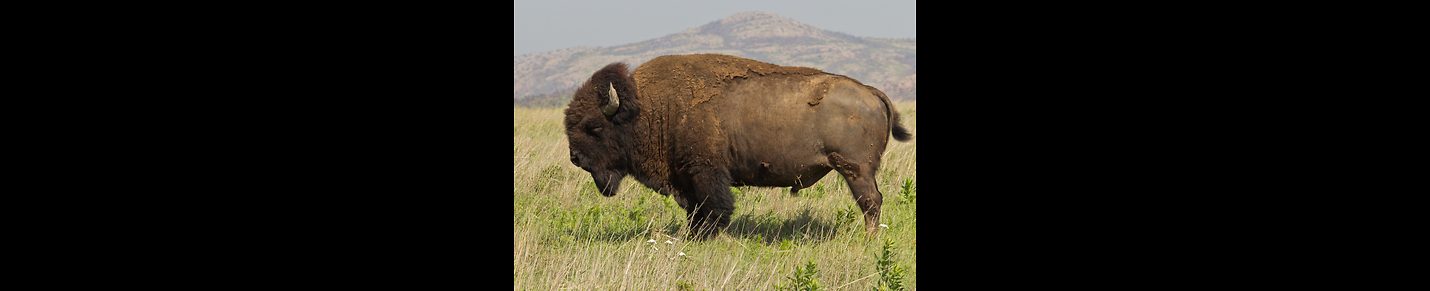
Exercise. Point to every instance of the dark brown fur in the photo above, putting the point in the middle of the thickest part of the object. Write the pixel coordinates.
(691, 126)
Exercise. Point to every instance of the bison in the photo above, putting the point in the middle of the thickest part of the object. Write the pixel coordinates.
(692, 126)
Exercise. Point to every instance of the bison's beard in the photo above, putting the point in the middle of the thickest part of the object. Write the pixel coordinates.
(608, 182)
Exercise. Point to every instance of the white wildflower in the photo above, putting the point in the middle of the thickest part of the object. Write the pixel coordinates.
(668, 242)
(650, 241)
(682, 253)
(883, 225)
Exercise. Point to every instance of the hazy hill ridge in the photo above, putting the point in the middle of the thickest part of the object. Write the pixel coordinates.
(887, 64)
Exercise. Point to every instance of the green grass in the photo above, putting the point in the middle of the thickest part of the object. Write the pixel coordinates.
(566, 235)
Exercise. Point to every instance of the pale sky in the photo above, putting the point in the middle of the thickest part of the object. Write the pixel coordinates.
(546, 25)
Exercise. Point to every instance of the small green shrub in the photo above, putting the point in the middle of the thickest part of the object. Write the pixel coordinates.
(907, 192)
(846, 216)
(638, 213)
(803, 279)
(891, 275)
(594, 214)
(684, 286)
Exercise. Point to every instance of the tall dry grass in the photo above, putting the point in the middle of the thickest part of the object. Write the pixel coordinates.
(567, 236)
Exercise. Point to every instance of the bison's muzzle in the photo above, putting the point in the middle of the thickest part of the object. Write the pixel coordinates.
(607, 181)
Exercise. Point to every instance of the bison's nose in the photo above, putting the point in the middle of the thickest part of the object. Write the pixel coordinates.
(574, 160)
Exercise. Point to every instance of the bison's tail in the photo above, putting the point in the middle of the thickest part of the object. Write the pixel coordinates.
(901, 133)
(895, 123)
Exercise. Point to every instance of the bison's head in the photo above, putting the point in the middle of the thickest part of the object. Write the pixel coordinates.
(597, 126)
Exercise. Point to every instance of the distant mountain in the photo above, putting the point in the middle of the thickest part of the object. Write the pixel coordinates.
(888, 64)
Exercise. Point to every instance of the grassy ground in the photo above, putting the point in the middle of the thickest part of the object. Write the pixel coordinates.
(565, 235)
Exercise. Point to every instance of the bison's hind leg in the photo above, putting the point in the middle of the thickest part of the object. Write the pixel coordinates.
(862, 185)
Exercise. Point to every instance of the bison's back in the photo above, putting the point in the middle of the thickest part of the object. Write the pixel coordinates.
(694, 79)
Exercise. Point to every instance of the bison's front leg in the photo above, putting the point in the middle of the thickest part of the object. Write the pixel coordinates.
(710, 203)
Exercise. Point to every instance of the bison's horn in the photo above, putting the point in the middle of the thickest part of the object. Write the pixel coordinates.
(612, 103)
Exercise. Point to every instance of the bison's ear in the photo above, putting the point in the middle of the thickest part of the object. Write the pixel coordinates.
(612, 102)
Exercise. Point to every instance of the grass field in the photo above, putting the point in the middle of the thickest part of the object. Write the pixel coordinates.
(565, 235)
